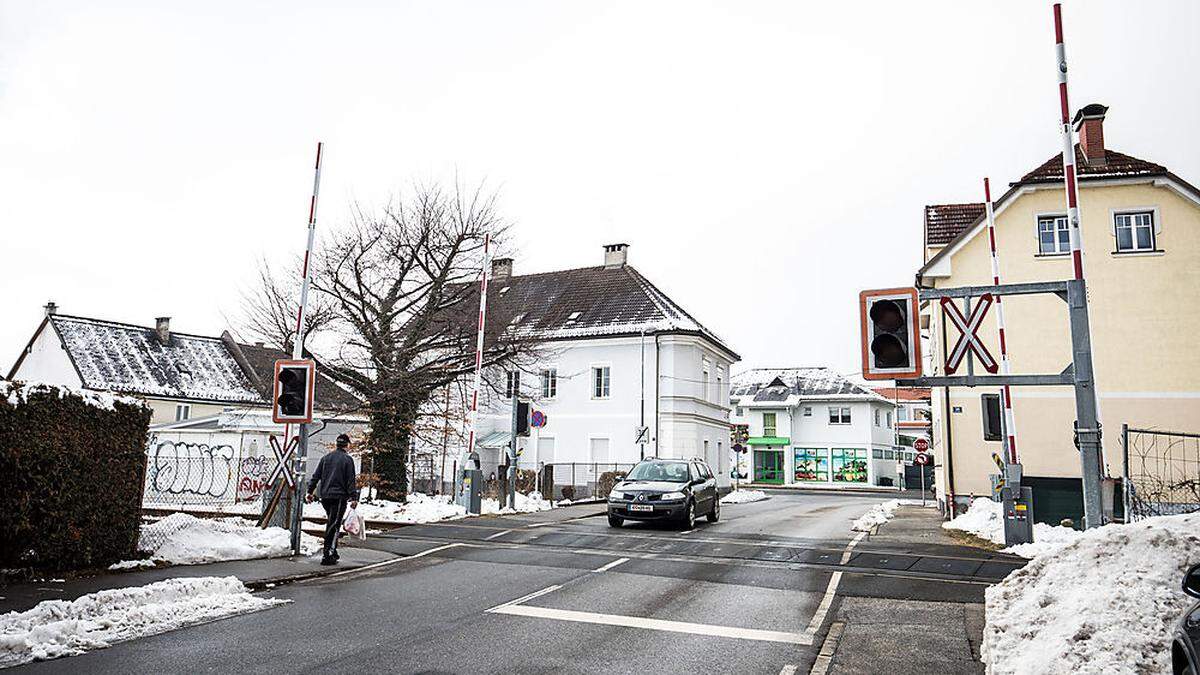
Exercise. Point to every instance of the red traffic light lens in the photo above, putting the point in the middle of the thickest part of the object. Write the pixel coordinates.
(887, 315)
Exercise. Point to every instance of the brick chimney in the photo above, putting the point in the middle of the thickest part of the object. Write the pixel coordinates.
(162, 326)
(502, 268)
(51, 308)
(1089, 122)
(616, 255)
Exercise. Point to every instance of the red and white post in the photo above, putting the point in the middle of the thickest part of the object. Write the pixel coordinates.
(298, 353)
(1068, 141)
(473, 413)
(1010, 424)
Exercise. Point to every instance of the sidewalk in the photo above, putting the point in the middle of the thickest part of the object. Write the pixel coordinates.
(941, 637)
(257, 574)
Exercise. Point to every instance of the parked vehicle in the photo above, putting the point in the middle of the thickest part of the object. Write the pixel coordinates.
(1185, 647)
(677, 490)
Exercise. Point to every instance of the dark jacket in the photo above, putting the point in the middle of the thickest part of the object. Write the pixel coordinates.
(335, 472)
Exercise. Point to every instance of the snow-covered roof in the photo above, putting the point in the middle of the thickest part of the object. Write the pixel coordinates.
(129, 359)
(770, 385)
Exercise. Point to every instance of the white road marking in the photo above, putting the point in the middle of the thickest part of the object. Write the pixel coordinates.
(609, 566)
(831, 589)
(654, 624)
(498, 534)
(393, 561)
(524, 598)
(787, 670)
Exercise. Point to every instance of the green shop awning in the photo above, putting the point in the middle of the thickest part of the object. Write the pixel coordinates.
(769, 440)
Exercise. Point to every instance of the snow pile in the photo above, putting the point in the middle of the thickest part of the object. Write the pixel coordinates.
(57, 628)
(1104, 603)
(744, 497)
(183, 539)
(17, 393)
(133, 565)
(420, 508)
(985, 519)
(529, 503)
(878, 515)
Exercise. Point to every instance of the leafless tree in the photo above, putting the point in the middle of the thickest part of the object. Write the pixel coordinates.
(401, 289)
(269, 310)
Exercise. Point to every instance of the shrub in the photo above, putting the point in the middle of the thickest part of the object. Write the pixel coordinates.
(568, 493)
(72, 467)
(607, 480)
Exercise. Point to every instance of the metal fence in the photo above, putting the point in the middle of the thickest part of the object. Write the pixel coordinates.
(1162, 472)
(575, 481)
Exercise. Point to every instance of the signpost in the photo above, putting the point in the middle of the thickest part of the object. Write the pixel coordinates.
(921, 460)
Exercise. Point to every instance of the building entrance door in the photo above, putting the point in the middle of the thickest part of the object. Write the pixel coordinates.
(768, 466)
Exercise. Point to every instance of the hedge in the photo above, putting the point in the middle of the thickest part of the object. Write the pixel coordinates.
(72, 465)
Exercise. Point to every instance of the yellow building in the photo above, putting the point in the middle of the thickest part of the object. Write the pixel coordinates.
(1141, 243)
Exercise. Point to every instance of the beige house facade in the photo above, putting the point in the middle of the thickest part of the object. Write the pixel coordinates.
(1141, 243)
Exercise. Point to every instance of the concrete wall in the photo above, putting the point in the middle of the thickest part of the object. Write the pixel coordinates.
(1143, 317)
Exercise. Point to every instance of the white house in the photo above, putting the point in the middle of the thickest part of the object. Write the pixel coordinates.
(618, 355)
(813, 427)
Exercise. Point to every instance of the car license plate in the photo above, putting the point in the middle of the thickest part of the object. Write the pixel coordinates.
(641, 507)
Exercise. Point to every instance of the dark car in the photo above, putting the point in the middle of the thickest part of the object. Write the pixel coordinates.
(677, 490)
(1185, 647)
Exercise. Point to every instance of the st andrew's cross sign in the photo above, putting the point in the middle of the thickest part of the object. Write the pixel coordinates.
(968, 340)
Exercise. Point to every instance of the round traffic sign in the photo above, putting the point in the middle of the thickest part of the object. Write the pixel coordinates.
(921, 459)
(537, 419)
(921, 444)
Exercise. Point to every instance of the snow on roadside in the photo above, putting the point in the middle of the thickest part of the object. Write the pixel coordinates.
(744, 497)
(529, 503)
(183, 539)
(1104, 603)
(878, 515)
(422, 508)
(56, 628)
(985, 519)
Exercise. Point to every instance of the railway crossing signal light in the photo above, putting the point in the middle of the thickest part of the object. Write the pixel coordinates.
(293, 391)
(891, 338)
(523, 418)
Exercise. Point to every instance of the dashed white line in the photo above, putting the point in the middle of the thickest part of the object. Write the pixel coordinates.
(393, 561)
(787, 670)
(524, 598)
(831, 589)
(609, 566)
(497, 535)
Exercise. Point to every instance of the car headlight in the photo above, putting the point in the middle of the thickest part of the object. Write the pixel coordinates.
(671, 496)
(616, 496)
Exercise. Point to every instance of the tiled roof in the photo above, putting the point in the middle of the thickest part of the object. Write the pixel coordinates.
(777, 384)
(904, 393)
(1115, 165)
(131, 360)
(944, 222)
(588, 302)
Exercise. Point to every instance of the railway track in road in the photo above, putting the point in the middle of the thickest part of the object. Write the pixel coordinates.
(780, 553)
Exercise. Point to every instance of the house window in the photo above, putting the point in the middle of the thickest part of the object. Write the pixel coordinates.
(877, 417)
(739, 411)
(808, 411)
(549, 382)
(769, 427)
(182, 412)
(512, 385)
(1135, 231)
(902, 414)
(601, 381)
(812, 464)
(992, 428)
(720, 381)
(1054, 235)
(889, 419)
(849, 465)
(706, 368)
(839, 416)
(877, 453)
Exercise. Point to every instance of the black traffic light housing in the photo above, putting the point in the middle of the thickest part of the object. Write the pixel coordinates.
(891, 338)
(292, 395)
(523, 413)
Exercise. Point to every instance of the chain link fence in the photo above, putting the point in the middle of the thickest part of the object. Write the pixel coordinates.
(1162, 472)
(575, 481)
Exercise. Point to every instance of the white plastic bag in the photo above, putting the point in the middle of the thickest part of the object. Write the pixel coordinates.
(354, 524)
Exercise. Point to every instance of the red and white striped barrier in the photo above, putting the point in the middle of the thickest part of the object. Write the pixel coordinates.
(1010, 423)
(1068, 140)
(483, 288)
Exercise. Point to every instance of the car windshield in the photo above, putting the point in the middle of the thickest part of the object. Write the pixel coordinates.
(674, 472)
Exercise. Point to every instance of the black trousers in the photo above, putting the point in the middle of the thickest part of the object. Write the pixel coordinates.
(335, 510)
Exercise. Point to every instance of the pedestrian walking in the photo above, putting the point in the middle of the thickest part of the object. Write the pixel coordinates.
(338, 481)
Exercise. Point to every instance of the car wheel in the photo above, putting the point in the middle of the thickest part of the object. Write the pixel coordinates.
(715, 514)
(615, 521)
(689, 516)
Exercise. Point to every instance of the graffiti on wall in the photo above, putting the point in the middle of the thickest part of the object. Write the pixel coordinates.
(213, 473)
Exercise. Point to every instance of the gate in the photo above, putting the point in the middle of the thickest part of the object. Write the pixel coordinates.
(1162, 472)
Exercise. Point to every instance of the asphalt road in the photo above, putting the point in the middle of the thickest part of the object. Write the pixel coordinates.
(753, 593)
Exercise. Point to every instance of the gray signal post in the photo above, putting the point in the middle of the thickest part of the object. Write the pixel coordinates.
(1078, 375)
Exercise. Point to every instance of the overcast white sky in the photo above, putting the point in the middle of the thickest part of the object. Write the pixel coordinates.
(766, 161)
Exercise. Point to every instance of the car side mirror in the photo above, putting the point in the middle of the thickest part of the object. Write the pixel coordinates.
(1191, 581)
(697, 481)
